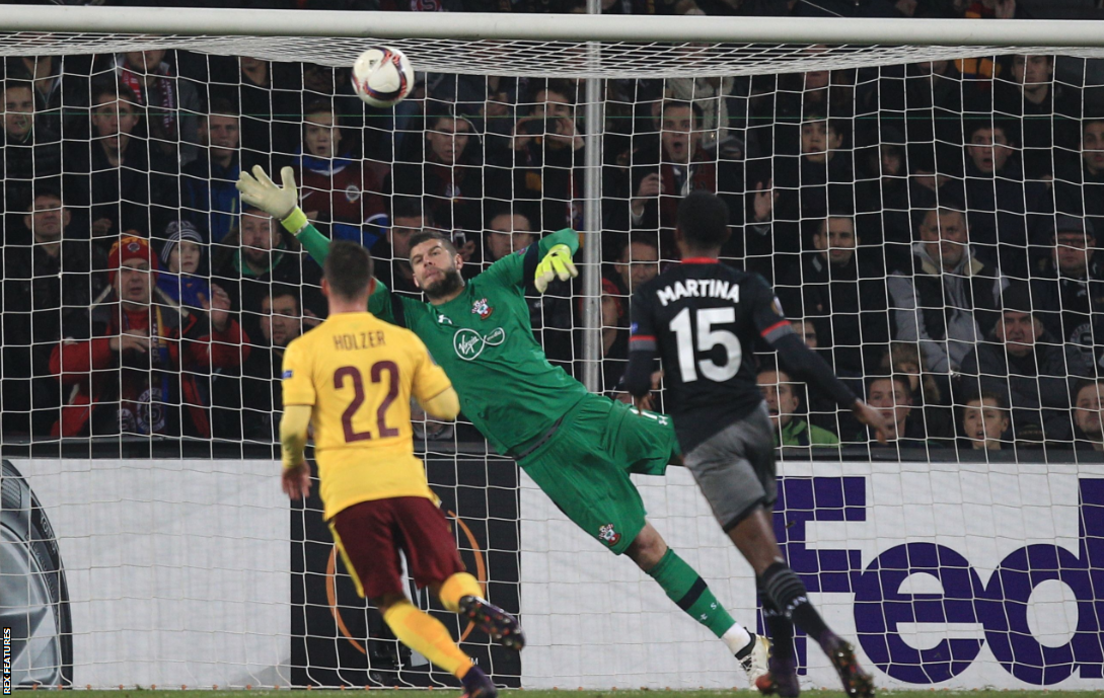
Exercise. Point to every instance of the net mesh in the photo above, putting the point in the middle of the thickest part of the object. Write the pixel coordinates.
(855, 177)
(539, 59)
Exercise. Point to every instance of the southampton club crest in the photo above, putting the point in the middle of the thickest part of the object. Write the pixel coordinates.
(482, 309)
(609, 536)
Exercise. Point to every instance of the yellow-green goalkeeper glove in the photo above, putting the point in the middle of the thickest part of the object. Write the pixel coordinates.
(282, 203)
(556, 264)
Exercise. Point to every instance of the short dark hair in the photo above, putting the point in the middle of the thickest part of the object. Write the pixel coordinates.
(558, 85)
(641, 238)
(426, 235)
(1081, 385)
(223, 107)
(839, 213)
(46, 189)
(703, 220)
(410, 207)
(281, 290)
(694, 107)
(1007, 127)
(1002, 401)
(19, 84)
(1089, 122)
(114, 90)
(320, 106)
(898, 378)
(348, 268)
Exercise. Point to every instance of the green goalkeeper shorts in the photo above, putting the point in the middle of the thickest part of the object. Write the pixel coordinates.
(584, 467)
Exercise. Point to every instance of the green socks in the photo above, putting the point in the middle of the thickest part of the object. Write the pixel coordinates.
(686, 588)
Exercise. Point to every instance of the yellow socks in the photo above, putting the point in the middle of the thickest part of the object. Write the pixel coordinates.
(456, 587)
(423, 633)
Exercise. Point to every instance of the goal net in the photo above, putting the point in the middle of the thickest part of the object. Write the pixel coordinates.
(927, 211)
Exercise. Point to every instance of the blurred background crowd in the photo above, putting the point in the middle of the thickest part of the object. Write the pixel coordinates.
(929, 228)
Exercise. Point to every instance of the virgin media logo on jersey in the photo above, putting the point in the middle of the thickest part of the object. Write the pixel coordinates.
(469, 344)
(968, 609)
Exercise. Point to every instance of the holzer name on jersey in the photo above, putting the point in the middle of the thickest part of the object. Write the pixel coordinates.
(699, 288)
(362, 340)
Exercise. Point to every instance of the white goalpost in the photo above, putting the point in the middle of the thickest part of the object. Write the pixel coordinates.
(143, 555)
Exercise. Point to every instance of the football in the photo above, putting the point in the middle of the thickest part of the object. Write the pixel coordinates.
(383, 76)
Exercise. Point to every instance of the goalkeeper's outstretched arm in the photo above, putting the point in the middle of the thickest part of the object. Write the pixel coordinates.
(281, 202)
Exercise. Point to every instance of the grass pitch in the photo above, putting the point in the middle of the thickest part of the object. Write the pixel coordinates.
(566, 693)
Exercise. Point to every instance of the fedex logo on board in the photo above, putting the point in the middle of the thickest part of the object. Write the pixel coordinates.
(999, 604)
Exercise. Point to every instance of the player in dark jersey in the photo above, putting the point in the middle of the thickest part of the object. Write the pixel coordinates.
(704, 318)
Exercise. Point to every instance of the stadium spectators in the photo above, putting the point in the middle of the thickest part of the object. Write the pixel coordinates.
(49, 273)
(1031, 367)
(209, 196)
(1068, 289)
(1079, 181)
(847, 305)
(893, 396)
(885, 198)
(1002, 207)
(799, 188)
(985, 422)
(29, 154)
(171, 104)
(184, 266)
(448, 176)
(946, 299)
(823, 410)
(929, 391)
(886, 143)
(506, 233)
(1046, 108)
(920, 105)
(113, 174)
(547, 150)
(261, 259)
(280, 322)
(1087, 402)
(60, 92)
(664, 172)
(615, 339)
(133, 366)
(337, 187)
(783, 403)
(637, 264)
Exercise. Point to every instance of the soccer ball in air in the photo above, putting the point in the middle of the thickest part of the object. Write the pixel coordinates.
(383, 76)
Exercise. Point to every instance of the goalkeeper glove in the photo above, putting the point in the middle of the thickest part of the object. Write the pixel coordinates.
(260, 191)
(556, 264)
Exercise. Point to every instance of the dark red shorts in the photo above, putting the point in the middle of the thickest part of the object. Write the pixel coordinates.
(372, 533)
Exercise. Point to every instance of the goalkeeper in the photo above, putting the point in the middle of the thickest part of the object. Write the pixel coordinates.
(578, 447)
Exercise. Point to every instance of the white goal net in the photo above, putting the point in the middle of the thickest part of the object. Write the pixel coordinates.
(929, 213)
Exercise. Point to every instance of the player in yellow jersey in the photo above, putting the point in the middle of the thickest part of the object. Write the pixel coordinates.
(352, 377)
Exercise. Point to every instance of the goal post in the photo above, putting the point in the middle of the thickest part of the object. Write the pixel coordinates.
(953, 567)
(472, 26)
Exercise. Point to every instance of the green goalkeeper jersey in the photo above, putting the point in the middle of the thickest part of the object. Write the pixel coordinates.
(484, 341)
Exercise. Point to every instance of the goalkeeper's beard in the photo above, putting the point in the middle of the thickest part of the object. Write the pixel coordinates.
(449, 283)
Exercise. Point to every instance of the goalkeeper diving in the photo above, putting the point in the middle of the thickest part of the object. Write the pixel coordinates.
(352, 378)
(579, 448)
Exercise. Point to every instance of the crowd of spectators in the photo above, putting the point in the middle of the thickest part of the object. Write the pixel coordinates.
(930, 229)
